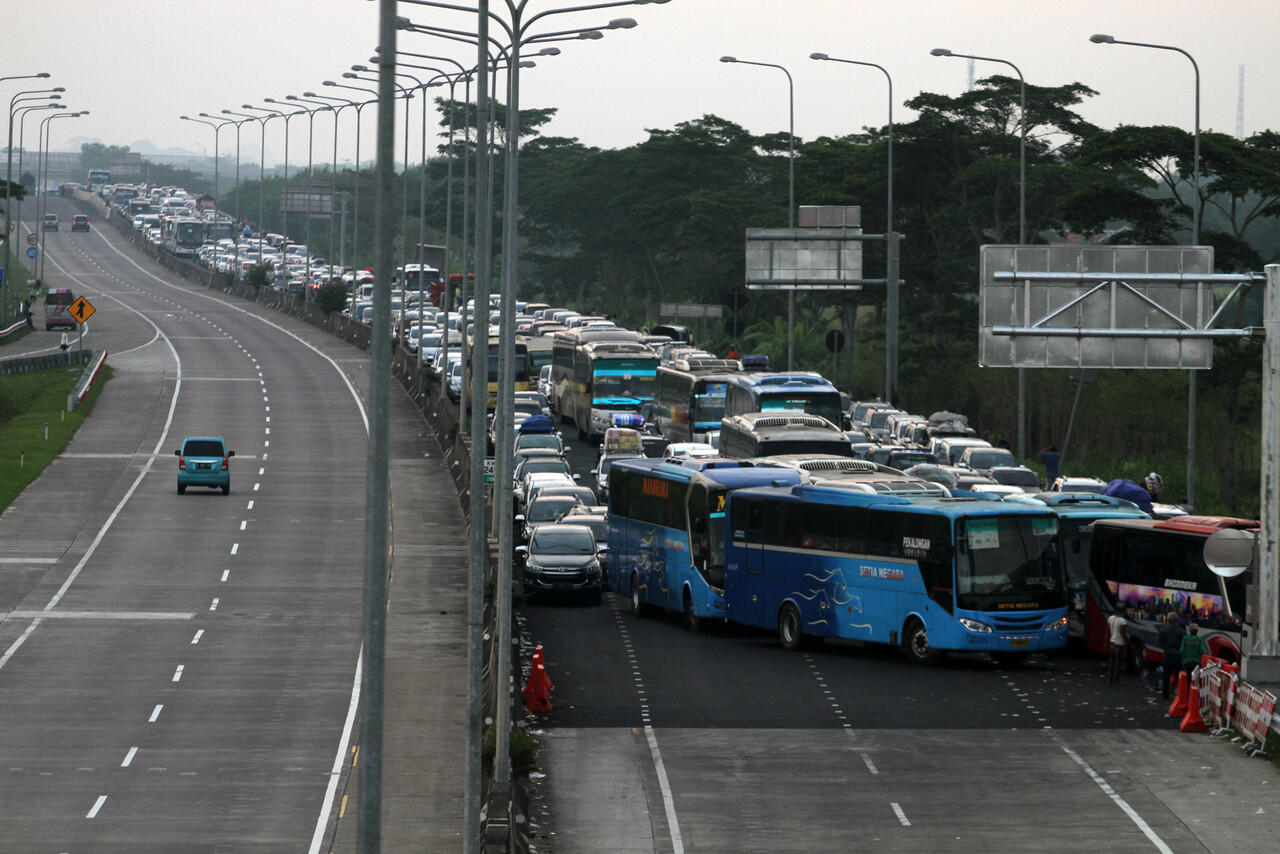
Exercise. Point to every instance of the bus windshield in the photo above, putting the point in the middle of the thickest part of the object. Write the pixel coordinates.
(1009, 563)
(824, 403)
(708, 403)
(632, 379)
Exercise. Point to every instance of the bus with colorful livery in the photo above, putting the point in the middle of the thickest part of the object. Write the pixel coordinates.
(929, 575)
(666, 531)
(1150, 568)
(609, 377)
(690, 397)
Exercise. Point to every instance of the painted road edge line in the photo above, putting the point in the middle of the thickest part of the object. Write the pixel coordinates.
(668, 802)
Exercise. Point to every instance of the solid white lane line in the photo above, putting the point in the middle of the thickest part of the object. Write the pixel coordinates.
(902, 817)
(668, 802)
(97, 805)
(177, 674)
(196, 638)
(155, 713)
(871, 766)
(41, 560)
(1115, 797)
(128, 757)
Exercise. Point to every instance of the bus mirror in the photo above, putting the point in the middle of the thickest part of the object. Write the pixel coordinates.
(1230, 552)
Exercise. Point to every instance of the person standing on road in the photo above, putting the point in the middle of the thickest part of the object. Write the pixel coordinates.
(1118, 638)
(1193, 646)
(1052, 464)
(1171, 635)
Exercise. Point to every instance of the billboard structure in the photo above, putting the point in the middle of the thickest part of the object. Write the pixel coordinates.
(311, 202)
(1102, 306)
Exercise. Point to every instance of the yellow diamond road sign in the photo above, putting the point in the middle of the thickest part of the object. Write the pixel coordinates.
(82, 310)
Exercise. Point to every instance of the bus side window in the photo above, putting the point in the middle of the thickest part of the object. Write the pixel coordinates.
(755, 521)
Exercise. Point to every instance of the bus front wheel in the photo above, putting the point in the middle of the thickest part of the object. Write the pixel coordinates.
(691, 620)
(790, 627)
(915, 644)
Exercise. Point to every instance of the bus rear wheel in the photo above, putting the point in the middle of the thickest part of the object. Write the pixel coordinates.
(691, 620)
(790, 628)
(637, 604)
(916, 646)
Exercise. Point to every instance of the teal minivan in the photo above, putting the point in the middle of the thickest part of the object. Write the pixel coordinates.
(204, 461)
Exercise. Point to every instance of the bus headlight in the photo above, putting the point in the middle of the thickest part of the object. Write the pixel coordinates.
(1057, 625)
(975, 626)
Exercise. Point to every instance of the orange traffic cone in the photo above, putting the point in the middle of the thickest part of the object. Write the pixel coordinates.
(537, 696)
(1193, 722)
(1179, 707)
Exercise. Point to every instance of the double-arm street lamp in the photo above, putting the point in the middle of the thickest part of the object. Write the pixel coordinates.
(284, 201)
(311, 127)
(237, 183)
(262, 167)
(44, 180)
(1103, 38)
(216, 124)
(791, 186)
(891, 247)
(1022, 217)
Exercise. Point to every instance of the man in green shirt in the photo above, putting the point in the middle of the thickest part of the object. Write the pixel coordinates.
(1193, 646)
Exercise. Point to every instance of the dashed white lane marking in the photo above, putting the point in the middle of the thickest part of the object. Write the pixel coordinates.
(235, 547)
(128, 757)
(196, 638)
(255, 487)
(97, 805)
(871, 766)
(243, 523)
(155, 713)
(668, 801)
(261, 472)
(831, 700)
(902, 816)
(250, 507)
(213, 606)
(177, 674)
(226, 573)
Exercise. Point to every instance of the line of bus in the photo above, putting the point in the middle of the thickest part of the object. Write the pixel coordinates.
(690, 397)
(927, 574)
(801, 391)
(666, 531)
(521, 381)
(1150, 568)
(597, 373)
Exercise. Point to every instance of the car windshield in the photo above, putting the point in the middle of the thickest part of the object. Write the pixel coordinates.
(988, 457)
(1009, 562)
(532, 466)
(549, 509)
(537, 440)
(202, 448)
(551, 540)
(1018, 477)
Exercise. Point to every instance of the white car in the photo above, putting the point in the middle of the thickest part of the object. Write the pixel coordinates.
(695, 450)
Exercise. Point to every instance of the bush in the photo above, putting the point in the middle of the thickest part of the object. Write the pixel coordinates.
(257, 276)
(331, 297)
(522, 747)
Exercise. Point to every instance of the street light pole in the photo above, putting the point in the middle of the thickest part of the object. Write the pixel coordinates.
(311, 127)
(1022, 219)
(243, 120)
(22, 121)
(44, 180)
(1103, 38)
(8, 177)
(333, 173)
(217, 128)
(891, 248)
(791, 189)
(355, 215)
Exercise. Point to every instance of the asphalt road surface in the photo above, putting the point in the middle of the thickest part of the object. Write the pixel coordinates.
(660, 740)
(177, 672)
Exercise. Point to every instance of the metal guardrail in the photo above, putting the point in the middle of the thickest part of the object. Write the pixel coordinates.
(27, 364)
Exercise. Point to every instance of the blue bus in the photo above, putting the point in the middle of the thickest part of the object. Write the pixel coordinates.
(666, 530)
(1077, 511)
(926, 574)
(797, 391)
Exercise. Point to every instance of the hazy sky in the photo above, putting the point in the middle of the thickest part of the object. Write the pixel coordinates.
(139, 64)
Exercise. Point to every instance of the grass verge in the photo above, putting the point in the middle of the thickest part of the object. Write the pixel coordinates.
(27, 403)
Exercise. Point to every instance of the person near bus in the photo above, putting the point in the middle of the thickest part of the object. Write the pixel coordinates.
(1118, 637)
(733, 352)
(64, 343)
(1171, 635)
(1193, 646)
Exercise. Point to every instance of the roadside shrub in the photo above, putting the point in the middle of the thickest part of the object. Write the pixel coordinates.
(331, 297)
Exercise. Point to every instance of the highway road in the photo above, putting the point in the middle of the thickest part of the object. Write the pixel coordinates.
(177, 673)
(660, 740)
